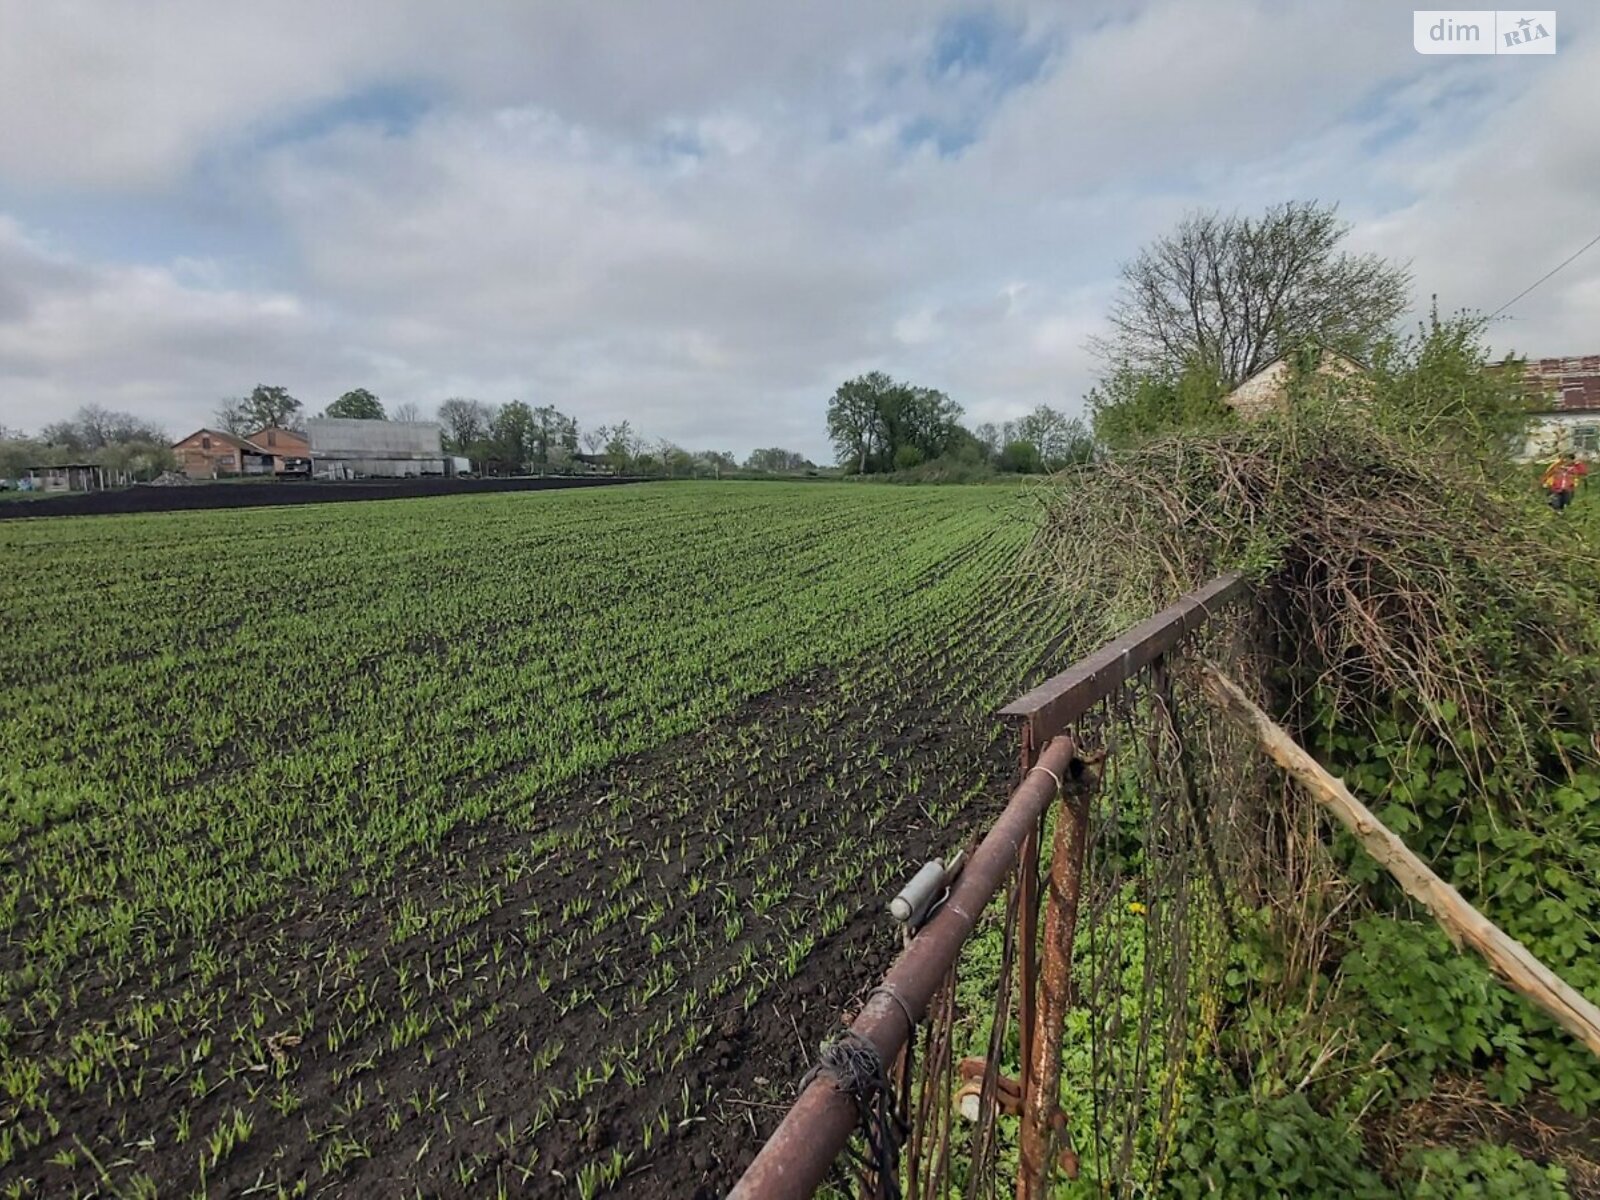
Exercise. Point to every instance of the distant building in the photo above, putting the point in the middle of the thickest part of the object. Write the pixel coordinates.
(290, 449)
(1268, 389)
(69, 477)
(210, 453)
(347, 448)
(1564, 403)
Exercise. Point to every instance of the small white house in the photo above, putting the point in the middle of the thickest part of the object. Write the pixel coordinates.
(1565, 402)
(1267, 391)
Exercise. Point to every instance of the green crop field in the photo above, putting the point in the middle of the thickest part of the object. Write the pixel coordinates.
(520, 844)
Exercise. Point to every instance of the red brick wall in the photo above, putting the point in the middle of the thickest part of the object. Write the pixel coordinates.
(198, 462)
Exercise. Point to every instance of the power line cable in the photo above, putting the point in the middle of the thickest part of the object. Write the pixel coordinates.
(1570, 258)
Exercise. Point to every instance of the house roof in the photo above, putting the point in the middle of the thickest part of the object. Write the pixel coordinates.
(1563, 384)
(238, 443)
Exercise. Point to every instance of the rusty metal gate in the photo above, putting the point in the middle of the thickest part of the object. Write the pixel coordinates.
(878, 1112)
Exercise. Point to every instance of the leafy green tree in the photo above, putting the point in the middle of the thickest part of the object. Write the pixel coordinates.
(1131, 406)
(513, 436)
(1237, 292)
(1021, 458)
(18, 453)
(854, 423)
(266, 405)
(554, 435)
(877, 423)
(776, 458)
(357, 404)
(1438, 383)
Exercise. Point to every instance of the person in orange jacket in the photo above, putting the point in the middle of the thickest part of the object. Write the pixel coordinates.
(1562, 479)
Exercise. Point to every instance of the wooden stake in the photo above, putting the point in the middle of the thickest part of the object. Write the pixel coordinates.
(1506, 956)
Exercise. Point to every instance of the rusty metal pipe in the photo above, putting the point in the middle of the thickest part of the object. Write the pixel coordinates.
(1041, 1095)
(796, 1158)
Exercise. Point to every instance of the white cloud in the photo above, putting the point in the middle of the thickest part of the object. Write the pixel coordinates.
(136, 338)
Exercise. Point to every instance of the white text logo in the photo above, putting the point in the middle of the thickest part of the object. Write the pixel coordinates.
(1484, 31)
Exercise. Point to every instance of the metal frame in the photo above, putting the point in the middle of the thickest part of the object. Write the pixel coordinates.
(797, 1157)
(1056, 703)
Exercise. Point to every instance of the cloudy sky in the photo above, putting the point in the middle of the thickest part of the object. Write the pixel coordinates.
(703, 216)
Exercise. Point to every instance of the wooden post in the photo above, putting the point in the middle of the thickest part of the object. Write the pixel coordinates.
(1506, 956)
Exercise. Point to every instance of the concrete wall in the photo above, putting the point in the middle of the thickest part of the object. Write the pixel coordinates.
(1268, 389)
(1262, 393)
(332, 437)
(377, 468)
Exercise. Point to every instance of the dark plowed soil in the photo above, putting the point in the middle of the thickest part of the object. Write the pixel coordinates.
(449, 1113)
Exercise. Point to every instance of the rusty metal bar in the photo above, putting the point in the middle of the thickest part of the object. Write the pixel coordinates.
(1027, 924)
(1041, 1095)
(1057, 702)
(798, 1155)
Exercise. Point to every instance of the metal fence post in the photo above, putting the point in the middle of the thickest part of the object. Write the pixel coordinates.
(1041, 1094)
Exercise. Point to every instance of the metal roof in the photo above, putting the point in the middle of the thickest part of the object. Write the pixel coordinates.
(1564, 384)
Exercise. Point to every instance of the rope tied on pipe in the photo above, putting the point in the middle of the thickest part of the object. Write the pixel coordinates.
(852, 1063)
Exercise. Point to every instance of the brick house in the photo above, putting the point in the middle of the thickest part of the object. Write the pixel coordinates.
(1564, 406)
(290, 449)
(1268, 389)
(208, 453)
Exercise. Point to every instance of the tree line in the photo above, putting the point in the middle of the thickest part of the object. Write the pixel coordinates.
(878, 424)
(500, 439)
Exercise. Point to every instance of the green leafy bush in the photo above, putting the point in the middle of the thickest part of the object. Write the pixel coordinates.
(1484, 1172)
(1250, 1149)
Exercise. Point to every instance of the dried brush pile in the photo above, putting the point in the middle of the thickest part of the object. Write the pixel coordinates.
(1392, 575)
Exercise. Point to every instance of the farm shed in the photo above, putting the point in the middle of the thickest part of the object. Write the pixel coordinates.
(1268, 389)
(208, 453)
(290, 449)
(1564, 403)
(343, 448)
(70, 477)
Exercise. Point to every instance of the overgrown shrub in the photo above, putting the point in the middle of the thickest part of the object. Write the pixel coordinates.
(1435, 636)
(1251, 1149)
(1484, 1172)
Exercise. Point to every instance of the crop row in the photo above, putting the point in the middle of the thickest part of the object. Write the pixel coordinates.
(448, 857)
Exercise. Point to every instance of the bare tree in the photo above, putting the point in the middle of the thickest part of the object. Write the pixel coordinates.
(230, 416)
(465, 421)
(1233, 293)
(408, 411)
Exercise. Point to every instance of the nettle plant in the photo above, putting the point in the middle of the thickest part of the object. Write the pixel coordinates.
(1522, 846)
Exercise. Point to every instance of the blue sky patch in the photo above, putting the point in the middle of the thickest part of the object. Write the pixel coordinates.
(395, 109)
